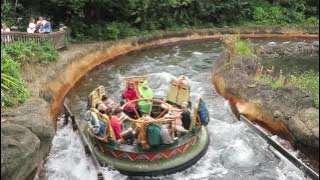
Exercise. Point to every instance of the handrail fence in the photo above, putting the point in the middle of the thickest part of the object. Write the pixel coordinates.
(59, 39)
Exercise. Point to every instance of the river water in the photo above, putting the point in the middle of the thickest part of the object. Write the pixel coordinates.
(235, 152)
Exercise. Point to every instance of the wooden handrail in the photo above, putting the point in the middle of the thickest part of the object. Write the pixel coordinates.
(58, 39)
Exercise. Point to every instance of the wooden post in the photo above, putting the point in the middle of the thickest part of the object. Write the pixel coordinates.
(74, 125)
(66, 116)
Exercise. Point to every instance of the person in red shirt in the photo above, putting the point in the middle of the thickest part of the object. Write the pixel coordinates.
(130, 94)
(126, 136)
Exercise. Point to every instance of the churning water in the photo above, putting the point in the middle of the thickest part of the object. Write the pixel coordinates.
(235, 152)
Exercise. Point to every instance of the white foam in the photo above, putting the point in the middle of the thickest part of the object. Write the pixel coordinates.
(272, 43)
(238, 155)
(197, 53)
(67, 159)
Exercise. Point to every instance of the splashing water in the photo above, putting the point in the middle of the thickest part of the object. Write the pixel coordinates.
(67, 159)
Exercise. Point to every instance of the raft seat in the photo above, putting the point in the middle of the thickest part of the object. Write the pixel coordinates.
(95, 96)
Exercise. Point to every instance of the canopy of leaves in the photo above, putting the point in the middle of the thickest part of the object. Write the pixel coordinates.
(87, 15)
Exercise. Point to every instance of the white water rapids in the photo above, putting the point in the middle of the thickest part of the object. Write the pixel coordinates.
(235, 152)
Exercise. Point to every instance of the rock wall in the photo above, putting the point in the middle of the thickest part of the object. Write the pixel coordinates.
(286, 111)
(291, 50)
(26, 137)
(27, 132)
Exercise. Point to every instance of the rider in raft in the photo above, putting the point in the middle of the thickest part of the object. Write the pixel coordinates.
(130, 94)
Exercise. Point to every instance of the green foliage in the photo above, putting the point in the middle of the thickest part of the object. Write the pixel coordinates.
(277, 15)
(112, 31)
(179, 3)
(312, 8)
(312, 21)
(13, 87)
(273, 82)
(85, 17)
(10, 11)
(307, 81)
(238, 47)
(31, 52)
(7, 14)
(244, 48)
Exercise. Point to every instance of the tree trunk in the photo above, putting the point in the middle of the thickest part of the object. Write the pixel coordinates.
(15, 6)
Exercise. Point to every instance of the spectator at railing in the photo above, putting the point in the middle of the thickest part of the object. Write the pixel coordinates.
(45, 27)
(4, 28)
(39, 23)
(6, 38)
(32, 26)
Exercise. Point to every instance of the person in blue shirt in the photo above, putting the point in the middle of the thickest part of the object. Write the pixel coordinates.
(45, 26)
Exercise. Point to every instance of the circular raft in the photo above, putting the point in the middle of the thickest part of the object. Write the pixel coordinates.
(131, 161)
(145, 157)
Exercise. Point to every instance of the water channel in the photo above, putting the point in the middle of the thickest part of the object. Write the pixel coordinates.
(235, 152)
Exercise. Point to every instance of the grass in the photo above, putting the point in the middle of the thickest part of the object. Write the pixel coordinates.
(31, 52)
(307, 81)
(238, 47)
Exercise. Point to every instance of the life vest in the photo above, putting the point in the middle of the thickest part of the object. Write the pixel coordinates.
(203, 113)
(145, 92)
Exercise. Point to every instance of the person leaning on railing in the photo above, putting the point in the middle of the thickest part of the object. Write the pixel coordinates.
(32, 26)
(44, 26)
(5, 28)
(6, 38)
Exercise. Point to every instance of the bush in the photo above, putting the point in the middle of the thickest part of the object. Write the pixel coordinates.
(312, 21)
(7, 14)
(307, 81)
(111, 31)
(238, 47)
(277, 15)
(13, 87)
(244, 48)
(31, 52)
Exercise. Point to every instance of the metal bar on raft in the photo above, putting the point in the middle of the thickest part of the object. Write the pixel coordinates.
(87, 147)
(310, 172)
